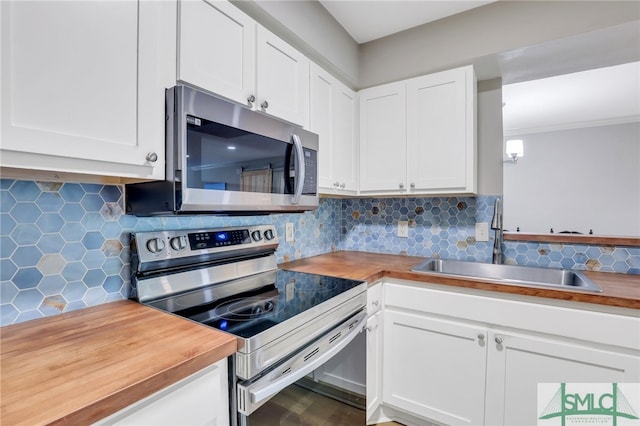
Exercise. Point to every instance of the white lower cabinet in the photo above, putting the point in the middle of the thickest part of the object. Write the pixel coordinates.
(434, 368)
(466, 356)
(374, 366)
(200, 399)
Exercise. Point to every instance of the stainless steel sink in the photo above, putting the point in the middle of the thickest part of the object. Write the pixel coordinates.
(564, 279)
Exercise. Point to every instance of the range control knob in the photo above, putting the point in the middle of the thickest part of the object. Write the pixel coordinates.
(256, 236)
(178, 243)
(155, 245)
(268, 234)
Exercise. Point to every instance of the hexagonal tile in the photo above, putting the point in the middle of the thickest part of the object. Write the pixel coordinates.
(72, 212)
(23, 190)
(92, 221)
(110, 193)
(74, 271)
(51, 264)
(8, 314)
(7, 224)
(50, 202)
(25, 212)
(52, 305)
(73, 252)
(74, 291)
(26, 256)
(26, 278)
(52, 284)
(94, 278)
(92, 202)
(72, 192)
(7, 269)
(6, 201)
(72, 232)
(93, 240)
(50, 222)
(94, 296)
(7, 246)
(50, 243)
(27, 300)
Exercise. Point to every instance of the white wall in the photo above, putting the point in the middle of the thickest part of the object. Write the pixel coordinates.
(310, 28)
(576, 180)
(481, 34)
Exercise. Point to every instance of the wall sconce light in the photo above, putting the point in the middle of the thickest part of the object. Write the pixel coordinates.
(515, 149)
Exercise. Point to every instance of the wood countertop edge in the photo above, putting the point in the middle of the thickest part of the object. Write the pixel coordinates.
(402, 270)
(115, 398)
(125, 397)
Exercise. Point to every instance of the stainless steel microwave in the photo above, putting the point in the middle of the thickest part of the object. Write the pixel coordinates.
(224, 158)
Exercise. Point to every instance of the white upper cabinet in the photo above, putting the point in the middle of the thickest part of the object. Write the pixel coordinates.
(333, 116)
(418, 136)
(441, 129)
(282, 79)
(383, 139)
(83, 86)
(216, 48)
(224, 51)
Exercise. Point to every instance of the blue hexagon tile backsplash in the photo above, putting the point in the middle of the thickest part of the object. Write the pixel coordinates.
(65, 246)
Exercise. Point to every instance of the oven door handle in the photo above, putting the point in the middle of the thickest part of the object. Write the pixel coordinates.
(253, 395)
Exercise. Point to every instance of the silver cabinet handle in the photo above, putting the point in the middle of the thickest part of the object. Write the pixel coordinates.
(264, 105)
(250, 100)
(499, 340)
(152, 157)
(375, 303)
(480, 336)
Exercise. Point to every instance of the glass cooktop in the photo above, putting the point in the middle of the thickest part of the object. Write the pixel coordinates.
(253, 311)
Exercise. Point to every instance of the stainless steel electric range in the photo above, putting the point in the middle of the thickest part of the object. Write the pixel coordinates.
(287, 323)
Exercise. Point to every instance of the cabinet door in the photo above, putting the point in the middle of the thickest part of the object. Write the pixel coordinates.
(200, 399)
(282, 79)
(383, 139)
(434, 368)
(321, 121)
(83, 86)
(374, 365)
(216, 48)
(517, 363)
(345, 139)
(333, 117)
(441, 132)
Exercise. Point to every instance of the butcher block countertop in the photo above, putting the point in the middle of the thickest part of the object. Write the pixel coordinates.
(81, 366)
(618, 289)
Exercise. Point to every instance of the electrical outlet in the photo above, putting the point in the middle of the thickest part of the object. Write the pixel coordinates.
(289, 232)
(482, 231)
(290, 291)
(403, 229)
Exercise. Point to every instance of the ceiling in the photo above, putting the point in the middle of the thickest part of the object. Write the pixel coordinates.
(367, 20)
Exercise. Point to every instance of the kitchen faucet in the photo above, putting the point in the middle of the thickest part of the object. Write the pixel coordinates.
(496, 225)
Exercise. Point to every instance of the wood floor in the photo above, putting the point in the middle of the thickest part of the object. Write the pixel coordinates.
(296, 406)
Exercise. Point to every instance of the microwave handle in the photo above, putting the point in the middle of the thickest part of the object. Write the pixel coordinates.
(300, 171)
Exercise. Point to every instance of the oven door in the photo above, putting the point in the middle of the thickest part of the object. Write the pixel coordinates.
(253, 394)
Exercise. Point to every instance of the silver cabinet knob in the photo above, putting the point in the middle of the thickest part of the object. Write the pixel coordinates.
(264, 105)
(336, 184)
(342, 185)
(480, 336)
(375, 302)
(499, 340)
(152, 157)
(401, 185)
(251, 99)
(412, 185)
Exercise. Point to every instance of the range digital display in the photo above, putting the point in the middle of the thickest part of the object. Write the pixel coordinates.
(205, 240)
